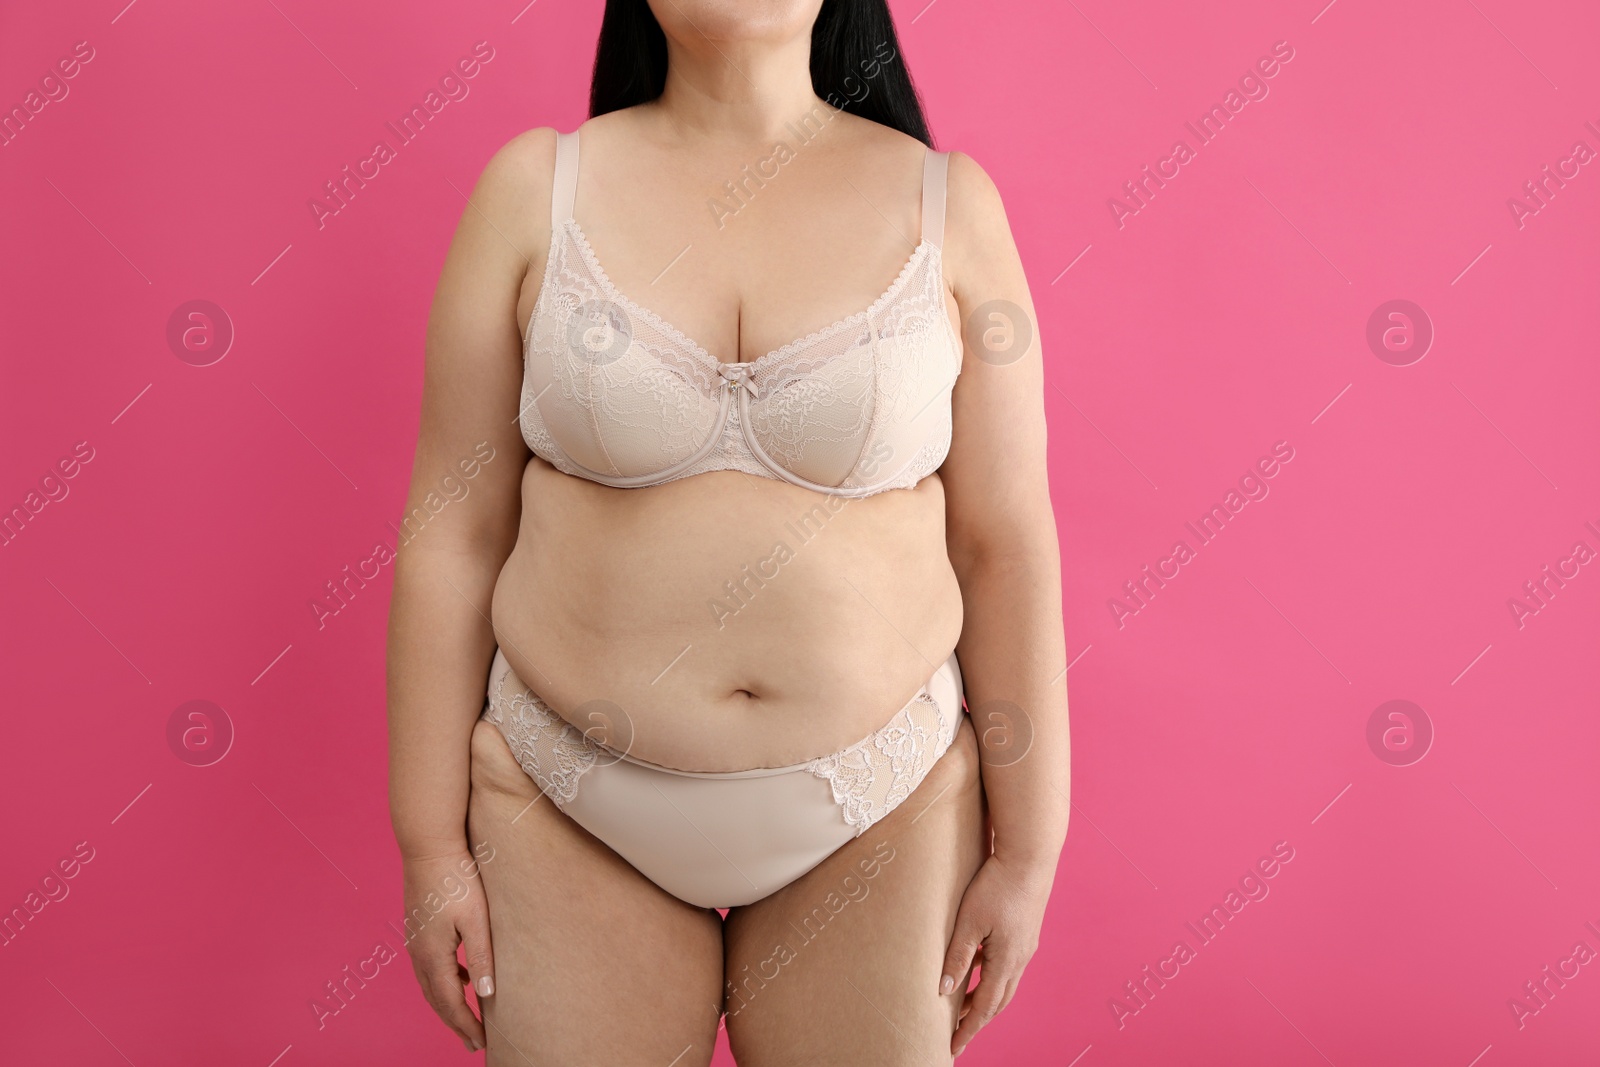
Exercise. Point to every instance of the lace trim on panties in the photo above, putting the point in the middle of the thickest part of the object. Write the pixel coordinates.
(553, 751)
(876, 774)
(869, 779)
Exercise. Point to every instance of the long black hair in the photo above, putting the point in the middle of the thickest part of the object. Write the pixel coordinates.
(856, 64)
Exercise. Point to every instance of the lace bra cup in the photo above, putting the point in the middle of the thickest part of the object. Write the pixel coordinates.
(615, 394)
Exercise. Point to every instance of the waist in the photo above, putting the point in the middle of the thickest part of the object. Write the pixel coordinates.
(943, 688)
(733, 622)
(674, 703)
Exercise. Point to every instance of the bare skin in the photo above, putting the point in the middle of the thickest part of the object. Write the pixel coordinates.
(594, 592)
(609, 592)
(580, 934)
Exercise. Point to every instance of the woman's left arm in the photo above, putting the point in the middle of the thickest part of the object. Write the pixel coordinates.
(1002, 539)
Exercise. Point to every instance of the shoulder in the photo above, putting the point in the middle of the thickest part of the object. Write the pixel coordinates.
(522, 166)
(972, 200)
(888, 149)
(980, 253)
(509, 209)
(528, 160)
(539, 142)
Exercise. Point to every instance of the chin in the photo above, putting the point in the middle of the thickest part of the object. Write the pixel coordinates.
(735, 20)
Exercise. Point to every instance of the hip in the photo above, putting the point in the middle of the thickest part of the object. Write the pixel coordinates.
(722, 839)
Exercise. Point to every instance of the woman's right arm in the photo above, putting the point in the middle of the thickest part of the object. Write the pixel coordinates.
(460, 524)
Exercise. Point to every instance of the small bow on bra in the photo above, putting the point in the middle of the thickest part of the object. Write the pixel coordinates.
(738, 374)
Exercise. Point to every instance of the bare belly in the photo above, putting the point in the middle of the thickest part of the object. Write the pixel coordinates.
(724, 621)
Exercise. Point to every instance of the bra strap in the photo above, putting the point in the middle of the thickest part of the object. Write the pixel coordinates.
(935, 165)
(565, 187)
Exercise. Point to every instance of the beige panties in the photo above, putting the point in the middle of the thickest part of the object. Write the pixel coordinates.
(722, 839)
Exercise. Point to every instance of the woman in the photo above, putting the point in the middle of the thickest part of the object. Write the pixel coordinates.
(746, 538)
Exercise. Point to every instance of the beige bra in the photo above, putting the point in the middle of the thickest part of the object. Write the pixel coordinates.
(613, 393)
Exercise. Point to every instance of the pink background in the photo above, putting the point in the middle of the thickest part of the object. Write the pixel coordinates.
(1230, 713)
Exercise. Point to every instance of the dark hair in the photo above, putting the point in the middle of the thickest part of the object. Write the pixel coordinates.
(855, 63)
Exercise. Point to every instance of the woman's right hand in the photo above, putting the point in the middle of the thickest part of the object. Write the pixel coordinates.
(446, 907)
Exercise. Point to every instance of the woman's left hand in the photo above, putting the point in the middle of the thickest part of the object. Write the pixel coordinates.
(999, 918)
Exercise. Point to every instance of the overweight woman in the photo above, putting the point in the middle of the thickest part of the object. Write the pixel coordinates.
(733, 691)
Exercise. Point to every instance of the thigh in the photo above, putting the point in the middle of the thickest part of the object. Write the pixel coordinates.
(843, 965)
(593, 962)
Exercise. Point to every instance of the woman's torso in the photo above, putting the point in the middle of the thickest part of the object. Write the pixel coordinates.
(724, 620)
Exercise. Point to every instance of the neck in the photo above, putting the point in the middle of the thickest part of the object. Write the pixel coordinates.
(738, 90)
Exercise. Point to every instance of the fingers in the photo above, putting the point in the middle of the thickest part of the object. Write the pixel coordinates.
(473, 924)
(965, 942)
(993, 993)
(442, 984)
